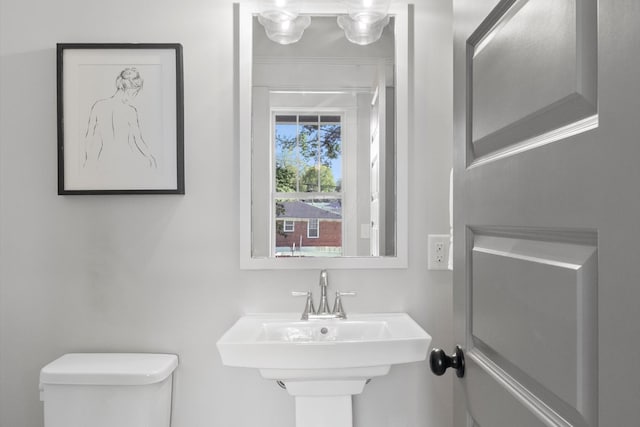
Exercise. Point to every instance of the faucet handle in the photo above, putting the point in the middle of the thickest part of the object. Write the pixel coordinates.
(346, 294)
(300, 293)
(338, 311)
(308, 306)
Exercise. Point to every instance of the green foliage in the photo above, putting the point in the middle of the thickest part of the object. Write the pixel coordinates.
(311, 149)
(309, 180)
(285, 178)
(308, 143)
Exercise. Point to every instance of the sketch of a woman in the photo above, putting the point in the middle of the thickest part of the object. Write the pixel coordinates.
(113, 132)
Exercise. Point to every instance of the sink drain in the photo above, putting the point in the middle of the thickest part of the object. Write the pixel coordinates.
(324, 331)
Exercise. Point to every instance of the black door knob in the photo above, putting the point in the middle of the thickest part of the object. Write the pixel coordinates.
(439, 361)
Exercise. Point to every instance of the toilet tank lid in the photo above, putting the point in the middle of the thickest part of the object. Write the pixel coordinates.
(109, 369)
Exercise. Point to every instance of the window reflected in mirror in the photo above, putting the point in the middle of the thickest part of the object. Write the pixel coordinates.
(323, 163)
(308, 184)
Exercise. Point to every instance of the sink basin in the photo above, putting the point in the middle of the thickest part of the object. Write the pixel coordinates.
(323, 362)
(314, 331)
(282, 342)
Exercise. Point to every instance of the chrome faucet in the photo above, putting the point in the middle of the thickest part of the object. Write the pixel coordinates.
(323, 311)
(323, 308)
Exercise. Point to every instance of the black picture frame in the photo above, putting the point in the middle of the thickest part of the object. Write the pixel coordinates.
(110, 140)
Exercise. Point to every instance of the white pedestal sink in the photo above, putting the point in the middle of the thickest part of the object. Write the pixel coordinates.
(323, 362)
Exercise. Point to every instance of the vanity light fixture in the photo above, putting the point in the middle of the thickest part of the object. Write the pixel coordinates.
(365, 20)
(360, 32)
(363, 23)
(279, 10)
(367, 11)
(287, 31)
(281, 20)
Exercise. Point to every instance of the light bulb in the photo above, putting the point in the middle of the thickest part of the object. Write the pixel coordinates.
(360, 32)
(368, 11)
(278, 10)
(285, 32)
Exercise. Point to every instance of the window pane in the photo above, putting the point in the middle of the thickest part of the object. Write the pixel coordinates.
(309, 119)
(316, 227)
(287, 154)
(312, 228)
(330, 119)
(286, 119)
(331, 154)
(309, 150)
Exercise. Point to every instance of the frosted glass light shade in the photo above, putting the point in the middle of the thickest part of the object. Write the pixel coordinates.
(367, 11)
(285, 32)
(279, 10)
(359, 32)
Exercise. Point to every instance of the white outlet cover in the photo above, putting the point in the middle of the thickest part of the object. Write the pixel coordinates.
(438, 252)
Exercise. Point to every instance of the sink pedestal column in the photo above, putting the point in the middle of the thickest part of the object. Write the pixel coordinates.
(323, 411)
(323, 403)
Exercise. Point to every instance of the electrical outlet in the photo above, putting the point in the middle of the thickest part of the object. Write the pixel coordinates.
(438, 256)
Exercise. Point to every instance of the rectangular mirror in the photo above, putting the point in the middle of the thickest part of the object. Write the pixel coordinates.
(323, 140)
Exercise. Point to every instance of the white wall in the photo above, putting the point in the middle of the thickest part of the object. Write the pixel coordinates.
(160, 273)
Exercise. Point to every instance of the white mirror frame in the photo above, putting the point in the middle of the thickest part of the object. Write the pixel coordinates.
(400, 11)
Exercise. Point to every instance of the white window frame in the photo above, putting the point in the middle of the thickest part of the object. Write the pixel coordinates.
(317, 228)
(289, 229)
(348, 123)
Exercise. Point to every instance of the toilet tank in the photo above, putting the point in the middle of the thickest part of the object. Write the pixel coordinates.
(108, 389)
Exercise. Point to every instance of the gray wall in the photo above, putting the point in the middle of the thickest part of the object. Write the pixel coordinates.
(160, 273)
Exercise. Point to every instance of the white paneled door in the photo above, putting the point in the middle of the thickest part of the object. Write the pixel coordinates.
(547, 212)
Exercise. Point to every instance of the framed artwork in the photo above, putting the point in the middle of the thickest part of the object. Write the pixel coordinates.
(120, 119)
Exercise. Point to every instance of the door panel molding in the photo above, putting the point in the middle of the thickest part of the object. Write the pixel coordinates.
(495, 387)
(514, 103)
(547, 406)
(541, 283)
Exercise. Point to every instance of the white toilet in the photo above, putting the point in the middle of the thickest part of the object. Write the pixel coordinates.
(108, 390)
